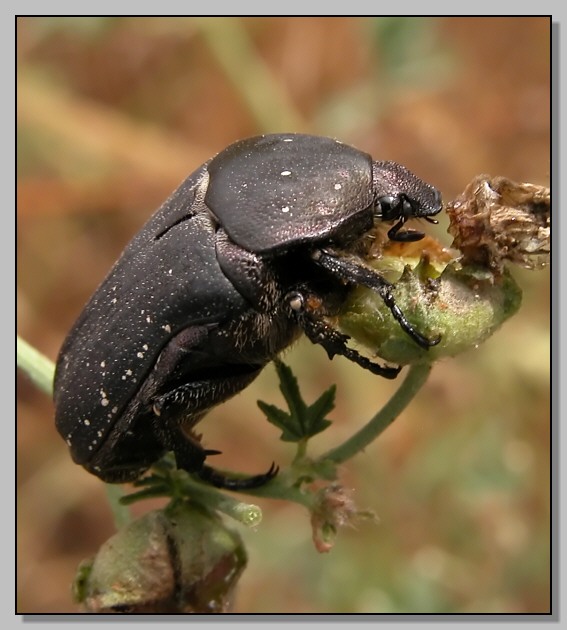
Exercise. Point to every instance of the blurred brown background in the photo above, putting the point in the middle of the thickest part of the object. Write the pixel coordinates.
(114, 112)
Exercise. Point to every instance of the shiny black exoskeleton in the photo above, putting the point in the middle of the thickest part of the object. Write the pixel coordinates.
(254, 248)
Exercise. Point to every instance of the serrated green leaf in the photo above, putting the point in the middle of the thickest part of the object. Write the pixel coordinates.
(282, 420)
(290, 390)
(303, 421)
(320, 408)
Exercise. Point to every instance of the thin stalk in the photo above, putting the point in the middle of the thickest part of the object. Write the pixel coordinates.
(120, 513)
(36, 365)
(246, 513)
(413, 382)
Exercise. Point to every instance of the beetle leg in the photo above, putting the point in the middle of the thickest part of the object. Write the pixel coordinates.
(404, 236)
(190, 456)
(334, 342)
(170, 408)
(359, 274)
(220, 480)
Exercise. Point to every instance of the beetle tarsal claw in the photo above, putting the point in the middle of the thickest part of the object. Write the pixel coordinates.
(211, 451)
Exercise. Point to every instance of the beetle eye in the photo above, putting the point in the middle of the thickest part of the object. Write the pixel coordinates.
(407, 208)
(388, 207)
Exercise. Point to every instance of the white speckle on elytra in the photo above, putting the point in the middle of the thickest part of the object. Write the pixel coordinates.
(90, 448)
(338, 186)
(149, 319)
(102, 364)
(288, 139)
(145, 346)
(114, 300)
(285, 173)
(142, 311)
(285, 209)
(170, 271)
(104, 400)
(68, 442)
(140, 355)
(114, 409)
(86, 422)
(99, 433)
(167, 328)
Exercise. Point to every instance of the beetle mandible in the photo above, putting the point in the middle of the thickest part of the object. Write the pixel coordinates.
(255, 247)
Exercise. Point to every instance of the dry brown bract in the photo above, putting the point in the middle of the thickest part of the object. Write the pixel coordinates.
(496, 219)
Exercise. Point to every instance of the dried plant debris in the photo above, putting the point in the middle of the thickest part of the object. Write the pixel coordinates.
(496, 220)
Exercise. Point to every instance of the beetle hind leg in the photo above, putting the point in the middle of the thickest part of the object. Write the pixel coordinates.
(190, 456)
(192, 400)
(226, 482)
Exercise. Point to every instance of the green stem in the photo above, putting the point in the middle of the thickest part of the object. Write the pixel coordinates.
(246, 513)
(413, 382)
(41, 370)
(120, 512)
(279, 489)
(37, 366)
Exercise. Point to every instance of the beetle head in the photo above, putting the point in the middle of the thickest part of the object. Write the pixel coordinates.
(400, 195)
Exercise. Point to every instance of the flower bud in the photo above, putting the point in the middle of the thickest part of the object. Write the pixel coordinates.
(178, 560)
(464, 305)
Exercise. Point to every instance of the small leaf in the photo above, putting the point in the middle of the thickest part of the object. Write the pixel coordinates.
(302, 421)
(290, 390)
(319, 409)
(282, 420)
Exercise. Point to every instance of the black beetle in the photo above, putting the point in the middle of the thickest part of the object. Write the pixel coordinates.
(258, 245)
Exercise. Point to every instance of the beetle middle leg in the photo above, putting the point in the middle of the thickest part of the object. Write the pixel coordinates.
(334, 342)
(359, 274)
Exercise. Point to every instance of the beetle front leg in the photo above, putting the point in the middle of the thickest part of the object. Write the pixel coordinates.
(359, 274)
(334, 342)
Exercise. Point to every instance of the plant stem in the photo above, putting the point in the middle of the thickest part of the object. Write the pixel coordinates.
(37, 366)
(246, 513)
(413, 382)
(120, 513)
